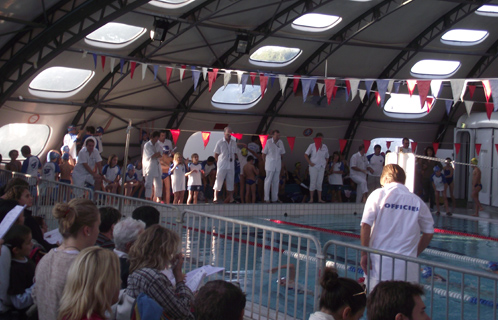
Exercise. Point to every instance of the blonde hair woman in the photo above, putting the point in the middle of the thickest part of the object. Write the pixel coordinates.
(79, 222)
(153, 251)
(92, 285)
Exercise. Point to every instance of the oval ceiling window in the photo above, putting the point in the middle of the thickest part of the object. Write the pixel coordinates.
(464, 37)
(114, 35)
(170, 4)
(316, 22)
(403, 106)
(59, 82)
(488, 10)
(274, 56)
(435, 68)
(232, 97)
(14, 135)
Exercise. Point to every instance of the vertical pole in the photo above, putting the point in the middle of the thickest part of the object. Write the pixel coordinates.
(125, 160)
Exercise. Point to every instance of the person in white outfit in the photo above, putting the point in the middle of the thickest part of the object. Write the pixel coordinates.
(272, 156)
(88, 168)
(376, 162)
(341, 298)
(317, 158)
(224, 154)
(359, 169)
(151, 167)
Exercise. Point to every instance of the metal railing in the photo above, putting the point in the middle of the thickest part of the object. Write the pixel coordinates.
(450, 292)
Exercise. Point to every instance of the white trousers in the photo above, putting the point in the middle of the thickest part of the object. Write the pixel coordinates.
(222, 175)
(79, 180)
(316, 178)
(361, 187)
(271, 183)
(158, 186)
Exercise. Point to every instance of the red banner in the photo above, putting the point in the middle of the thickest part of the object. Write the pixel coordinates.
(329, 88)
(237, 136)
(378, 98)
(168, 74)
(296, 83)
(472, 89)
(175, 133)
(205, 138)
(366, 144)
(414, 146)
(478, 148)
(212, 77)
(342, 144)
(487, 89)
(133, 65)
(435, 146)
(318, 143)
(489, 109)
(263, 138)
(102, 60)
(253, 77)
(411, 86)
(388, 144)
(457, 148)
(291, 141)
(263, 82)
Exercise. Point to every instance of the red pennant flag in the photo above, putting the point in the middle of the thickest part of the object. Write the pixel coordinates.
(205, 138)
(457, 148)
(496, 146)
(478, 148)
(388, 144)
(237, 136)
(212, 77)
(168, 74)
(489, 109)
(291, 141)
(102, 60)
(411, 86)
(133, 66)
(263, 82)
(184, 67)
(423, 90)
(263, 138)
(366, 144)
(430, 102)
(334, 92)
(329, 88)
(348, 87)
(253, 77)
(175, 133)
(342, 144)
(296, 84)
(435, 146)
(414, 146)
(318, 143)
(487, 89)
(472, 89)
(378, 98)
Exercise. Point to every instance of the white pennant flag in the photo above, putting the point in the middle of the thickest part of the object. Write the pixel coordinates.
(457, 86)
(436, 87)
(362, 94)
(239, 76)
(182, 72)
(354, 87)
(320, 88)
(226, 77)
(468, 106)
(112, 63)
(204, 73)
(282, 79)
(144, 68)
(390, 86)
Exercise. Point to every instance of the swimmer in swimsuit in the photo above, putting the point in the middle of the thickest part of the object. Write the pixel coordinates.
(250, 173)
(290, 283)
(476, 182)
(427, 274)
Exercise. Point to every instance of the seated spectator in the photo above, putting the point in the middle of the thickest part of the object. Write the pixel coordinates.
(14, 164)
(125, 234)
(147, 214)
(219, 299)
(155, 249)
(111, 174)
(108, 219)
(396, 300)
(130, 183)
(79, 222)
(341, 298)
(92, 286)
(13, 182)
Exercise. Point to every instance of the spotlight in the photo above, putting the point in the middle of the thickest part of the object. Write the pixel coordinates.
(243, 44)
(159, 30)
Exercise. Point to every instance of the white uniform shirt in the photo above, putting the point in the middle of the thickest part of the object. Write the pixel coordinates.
(336, 178)
(31, 165)
(166, 142)
(376, 162)
(438, 181)
(151, 166)
(253, 146)
(359, 161)
(274, 152)
(99, 143)
(195, 179)
(319, 158)
(133, 177)
(226, 154)
(85, 157)
(140, 176)
(397, 218)
(111, 173)
(49, 171)
(70, 141)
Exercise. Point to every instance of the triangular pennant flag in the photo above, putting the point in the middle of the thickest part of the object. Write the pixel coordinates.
(253, 77)
(215, 71)
(296, 83)
(342, 144)
(95, 60)
(414, 146)
(133, 65)
(291, 141)
(204, 73)
(263, 82)
(245, 77)
(390, 86)
(226, 77)
(457, 85)
(448, 103)
(205, 135)
(435, 87)
(423, 91)
(272, 79)
(329, 88)
(435, 146)
(388, 144)
(472, 89)
(239, 76)
(320, 88)
(121, 64)
(487, 89)
(478, 148)
(112, 64)
(334, 92)
(144, 69)
(263, 138)
(457, 148)
(305, 83)
(312, 84)
(463, 90)
(348, 89)
(366, 144)
(156, 68)
(212, 77)
(368, 85)
(430, 103)
(378, 99)
(282, 80)
(381, 89)
(354, 87)
(396, 86)
(496, 146)
(494, 92)
(196, 74)
(411, 86)
(168, 74)
(175, 133)
(468, 106)
(318, 143)
(182, 73)
(102, 61)
(362, 94)
(237, 136)
(489, 109)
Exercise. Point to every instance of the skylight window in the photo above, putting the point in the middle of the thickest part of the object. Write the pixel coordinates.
(170, 4)
(316, 22)
(404, 107)
(435, 68)
(488, 10)
(59, 82)
(464, 37)
(114, 35)
(15, 133)
(274, 56)
(232, 98)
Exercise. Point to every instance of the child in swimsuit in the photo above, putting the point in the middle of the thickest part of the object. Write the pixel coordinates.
(194, 175)
(439, 185)
(250, 173)
(177, 173)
